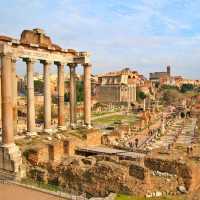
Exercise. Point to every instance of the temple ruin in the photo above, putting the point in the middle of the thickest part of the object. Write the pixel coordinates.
(34, 45)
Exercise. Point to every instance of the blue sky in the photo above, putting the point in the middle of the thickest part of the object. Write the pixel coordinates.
(145, 35)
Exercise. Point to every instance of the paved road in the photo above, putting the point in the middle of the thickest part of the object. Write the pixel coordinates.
(185, 137)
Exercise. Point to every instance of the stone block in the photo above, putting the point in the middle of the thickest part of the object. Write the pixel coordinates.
(11, 160)
(137, 171)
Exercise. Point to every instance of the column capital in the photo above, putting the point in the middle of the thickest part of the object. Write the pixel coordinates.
(14, 59)
(46, 62)
(59, 64)
(87, 65)
(29, 60)
(9, 54)
(72, 65)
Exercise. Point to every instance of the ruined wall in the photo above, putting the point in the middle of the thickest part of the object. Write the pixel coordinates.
(43, 154)
(58, 151)
(93, 138)
(138, 172)
(96, 178)
(35, 37)
(116, 93)
(108, 93)
(187, 173)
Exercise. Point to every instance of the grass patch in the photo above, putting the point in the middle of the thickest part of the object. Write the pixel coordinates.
(42, 185)
(126, 197)
(109, 120)
(97, 114)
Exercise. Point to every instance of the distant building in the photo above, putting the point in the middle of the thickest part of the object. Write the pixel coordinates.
(117, 87)
(156, 76)
(165, 78)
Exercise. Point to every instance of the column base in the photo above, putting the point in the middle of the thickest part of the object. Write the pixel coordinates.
(31, 133)
(73, 126)
(11, 166)
(88, 126)
(62, 128)
(50, 131)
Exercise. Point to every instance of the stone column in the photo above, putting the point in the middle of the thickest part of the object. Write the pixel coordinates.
(72, 67)
(87, 95)
(61, 105)
(6, 94)
(10, 155)
(47, 97)
(30, 97)
(15, 94)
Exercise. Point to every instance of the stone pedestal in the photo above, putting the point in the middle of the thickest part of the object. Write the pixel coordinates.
(48, 130)
(11, 162)
(62, 128)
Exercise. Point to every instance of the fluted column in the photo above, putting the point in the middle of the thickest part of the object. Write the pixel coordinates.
(30, 96)
(87, 95)
(61, 83)
(6, 94)
(47, 96)
(72, 94)
(15, 94)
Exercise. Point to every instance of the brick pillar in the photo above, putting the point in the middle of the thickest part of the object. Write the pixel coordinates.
(87, 95)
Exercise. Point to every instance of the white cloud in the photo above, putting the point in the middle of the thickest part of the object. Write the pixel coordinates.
(146, 34)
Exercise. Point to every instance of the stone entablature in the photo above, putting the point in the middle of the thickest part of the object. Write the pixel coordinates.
(37, 53)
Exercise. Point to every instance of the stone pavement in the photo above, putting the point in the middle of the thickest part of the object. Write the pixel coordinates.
(181, 132)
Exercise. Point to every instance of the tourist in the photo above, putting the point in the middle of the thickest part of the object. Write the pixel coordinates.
(136, 142)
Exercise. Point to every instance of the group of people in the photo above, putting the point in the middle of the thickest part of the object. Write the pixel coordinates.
(189, 150)
(134, 144)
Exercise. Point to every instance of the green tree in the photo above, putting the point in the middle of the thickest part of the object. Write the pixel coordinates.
(38, 86)
(186, 88)
(170, 96)
(54, 99)
(79, 91)
(66, 97)
(141, 95)
(40, 114)
(169, 87)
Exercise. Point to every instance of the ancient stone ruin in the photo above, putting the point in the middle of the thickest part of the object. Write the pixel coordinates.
(34, 45)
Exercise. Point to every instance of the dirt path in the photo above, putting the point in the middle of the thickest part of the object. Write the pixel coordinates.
(143, 135)
(14, 192)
